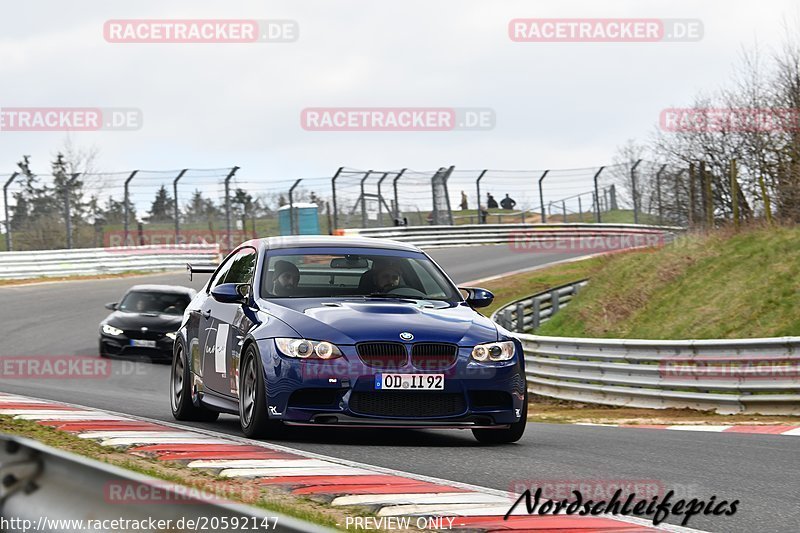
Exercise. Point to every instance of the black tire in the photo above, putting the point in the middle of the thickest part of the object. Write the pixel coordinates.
(504, 436)
(180, 391)
(253, 414)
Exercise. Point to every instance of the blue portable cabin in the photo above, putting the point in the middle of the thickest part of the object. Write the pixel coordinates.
(306, 218)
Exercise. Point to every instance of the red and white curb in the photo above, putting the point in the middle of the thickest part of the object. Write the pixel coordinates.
(793, 431)
(340, 482)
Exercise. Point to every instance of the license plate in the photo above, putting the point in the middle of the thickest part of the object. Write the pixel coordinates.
(143, 343)
(409, 382)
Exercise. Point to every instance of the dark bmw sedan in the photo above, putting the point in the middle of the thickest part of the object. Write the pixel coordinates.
(144, 322)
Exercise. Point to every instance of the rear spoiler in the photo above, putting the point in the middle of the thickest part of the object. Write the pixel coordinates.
(199, 270)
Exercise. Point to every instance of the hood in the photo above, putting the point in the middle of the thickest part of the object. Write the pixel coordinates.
(153, 322)
(357, 320)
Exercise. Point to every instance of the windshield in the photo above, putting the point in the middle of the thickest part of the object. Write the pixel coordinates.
(166, 303)
(363, 274)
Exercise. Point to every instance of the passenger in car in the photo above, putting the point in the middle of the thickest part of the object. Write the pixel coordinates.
(386, 276)
(286, 277)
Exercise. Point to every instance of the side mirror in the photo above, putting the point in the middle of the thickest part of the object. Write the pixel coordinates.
(477, 297)
(112, 306)
(231, 293)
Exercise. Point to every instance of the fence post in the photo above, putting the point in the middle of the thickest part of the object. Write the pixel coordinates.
(553, 303)
(541, 196)
(292, 225)
(564, 210)
(380, 199)
(478, 187)
(764, 195)
(612, 193)
(177, 210)
(228, 205)
(709, 199)
(396, 197)
(127, 200)
(67, 208)
(597, 194)
(635, 193)
(658, 194)
(445, 178)
(364, 200)
(580, 210)
(537, 310)
(734, 194)
(333, 192)
(692, 194)
(507, 318)
(520, 317)
(9, 242)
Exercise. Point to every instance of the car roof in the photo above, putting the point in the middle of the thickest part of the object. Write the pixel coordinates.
(180, 289)
(332, 241)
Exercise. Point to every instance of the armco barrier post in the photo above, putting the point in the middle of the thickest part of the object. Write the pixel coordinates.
(520, 317)
(176, 209)
(537, 310)
(125, 208)
(228, 205)
(541, 196)
(335, 206)
(9, 242)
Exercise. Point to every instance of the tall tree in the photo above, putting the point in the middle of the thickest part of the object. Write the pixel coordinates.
(163, 207)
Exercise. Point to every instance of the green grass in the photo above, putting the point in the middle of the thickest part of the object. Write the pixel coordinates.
(720, 285)
(510, 288)
(617, 216)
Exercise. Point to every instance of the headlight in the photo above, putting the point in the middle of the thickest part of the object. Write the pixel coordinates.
(172, 335)
(306, 349)
(111, 330)
(493, 351)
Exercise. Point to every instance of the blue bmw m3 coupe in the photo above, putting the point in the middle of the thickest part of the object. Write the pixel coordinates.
(346, 332)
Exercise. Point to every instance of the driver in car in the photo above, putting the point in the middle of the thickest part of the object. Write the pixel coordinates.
(286, 277)
(386, 276)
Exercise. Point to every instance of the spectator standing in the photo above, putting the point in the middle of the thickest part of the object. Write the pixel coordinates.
(508, 203)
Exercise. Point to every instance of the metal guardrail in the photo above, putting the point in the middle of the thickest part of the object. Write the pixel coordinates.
(87, 261)
(726, 376)
(529, 313)
(50, 490)
(524, 237)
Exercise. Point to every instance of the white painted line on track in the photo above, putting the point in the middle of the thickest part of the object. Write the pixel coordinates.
(261, 463)
(422, 499)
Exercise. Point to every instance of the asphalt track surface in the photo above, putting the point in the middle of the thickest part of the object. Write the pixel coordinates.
(761, 471)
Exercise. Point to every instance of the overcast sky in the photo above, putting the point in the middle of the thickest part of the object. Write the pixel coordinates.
(557, 105)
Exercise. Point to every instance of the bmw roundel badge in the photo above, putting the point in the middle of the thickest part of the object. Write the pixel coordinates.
(406, 336)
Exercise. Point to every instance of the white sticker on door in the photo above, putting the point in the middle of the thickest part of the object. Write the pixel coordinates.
(220, 349)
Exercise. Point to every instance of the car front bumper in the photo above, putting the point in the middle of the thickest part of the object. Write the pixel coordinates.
(342, 392)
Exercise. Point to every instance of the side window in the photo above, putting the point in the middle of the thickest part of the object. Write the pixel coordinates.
(242, 267)
(219, 278)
